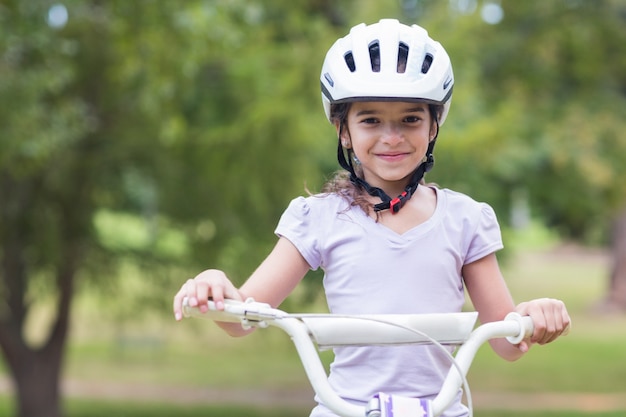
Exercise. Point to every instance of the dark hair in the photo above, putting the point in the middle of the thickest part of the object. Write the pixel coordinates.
(340, 182)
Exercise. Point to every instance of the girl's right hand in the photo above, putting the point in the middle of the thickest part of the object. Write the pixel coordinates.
(212, 284)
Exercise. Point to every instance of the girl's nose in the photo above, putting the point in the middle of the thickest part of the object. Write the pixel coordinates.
(392, 134)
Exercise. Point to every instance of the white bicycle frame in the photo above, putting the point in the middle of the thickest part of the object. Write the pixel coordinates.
(311, 332)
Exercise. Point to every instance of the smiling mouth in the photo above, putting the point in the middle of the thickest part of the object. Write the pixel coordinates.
(392, 156)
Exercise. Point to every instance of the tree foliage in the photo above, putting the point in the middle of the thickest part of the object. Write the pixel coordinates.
(191, 122)
(540, 109)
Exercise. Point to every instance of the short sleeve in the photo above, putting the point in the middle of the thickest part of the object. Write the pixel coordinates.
(297, 224)
(487, 237)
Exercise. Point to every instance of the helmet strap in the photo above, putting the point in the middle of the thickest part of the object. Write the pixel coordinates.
(388, 203)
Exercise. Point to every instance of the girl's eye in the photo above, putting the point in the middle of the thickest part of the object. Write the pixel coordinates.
(412, 119)
(370, 120)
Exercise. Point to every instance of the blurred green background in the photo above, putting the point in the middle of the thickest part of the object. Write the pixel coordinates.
(143, 141)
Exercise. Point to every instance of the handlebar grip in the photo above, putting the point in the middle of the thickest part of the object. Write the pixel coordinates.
(227, 315)
(527, 328)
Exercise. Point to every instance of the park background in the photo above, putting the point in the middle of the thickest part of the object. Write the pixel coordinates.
(143, 141)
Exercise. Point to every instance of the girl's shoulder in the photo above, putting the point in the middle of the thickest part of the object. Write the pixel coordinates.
(461, 205)
(321, 201)
(455, 199)
(319, 205)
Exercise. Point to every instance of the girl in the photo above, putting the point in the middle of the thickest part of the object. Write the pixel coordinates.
(387, 241)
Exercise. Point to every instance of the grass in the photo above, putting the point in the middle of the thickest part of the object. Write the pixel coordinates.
(96, 408)
(549, 414)
(82, 408)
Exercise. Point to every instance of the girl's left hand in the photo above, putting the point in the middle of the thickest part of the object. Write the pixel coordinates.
(550, 318)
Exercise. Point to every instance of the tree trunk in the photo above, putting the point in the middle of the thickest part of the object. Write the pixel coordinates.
(616, 297)
(36, 371)
(37, 379)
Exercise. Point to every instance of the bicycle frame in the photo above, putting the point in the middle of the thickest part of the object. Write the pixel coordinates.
(327, 330)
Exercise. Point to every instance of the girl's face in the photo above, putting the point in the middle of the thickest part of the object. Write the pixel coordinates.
(389, 139)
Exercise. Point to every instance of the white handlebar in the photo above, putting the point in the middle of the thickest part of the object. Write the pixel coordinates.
(325, 330)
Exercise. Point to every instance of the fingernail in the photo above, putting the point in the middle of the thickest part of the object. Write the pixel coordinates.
(178, 316)
(204, 308)
(193, 301)
(219, 305)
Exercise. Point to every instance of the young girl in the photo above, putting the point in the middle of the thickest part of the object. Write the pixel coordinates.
(387, 242)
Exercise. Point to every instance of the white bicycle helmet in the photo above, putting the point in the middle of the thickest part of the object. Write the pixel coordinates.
(387, 61)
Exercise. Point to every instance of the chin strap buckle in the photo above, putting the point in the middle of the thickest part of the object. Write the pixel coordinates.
(396, 204)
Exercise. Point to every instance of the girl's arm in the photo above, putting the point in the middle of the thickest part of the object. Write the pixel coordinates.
(271, 283)
(493, 301)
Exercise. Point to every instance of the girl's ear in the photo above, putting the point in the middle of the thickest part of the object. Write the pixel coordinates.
(343, 135)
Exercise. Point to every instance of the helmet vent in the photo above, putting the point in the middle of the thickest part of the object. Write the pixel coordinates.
(349, 58)
(428, 60)
(403, 54)
(375, 56)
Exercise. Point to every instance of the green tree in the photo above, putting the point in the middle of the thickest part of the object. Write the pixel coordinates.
(42, 196)
(538, 109)
(196, 117)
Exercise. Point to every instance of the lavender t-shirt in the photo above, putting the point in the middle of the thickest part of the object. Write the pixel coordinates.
(370, 269)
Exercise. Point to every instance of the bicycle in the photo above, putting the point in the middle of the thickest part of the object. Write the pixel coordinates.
(313, 332)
